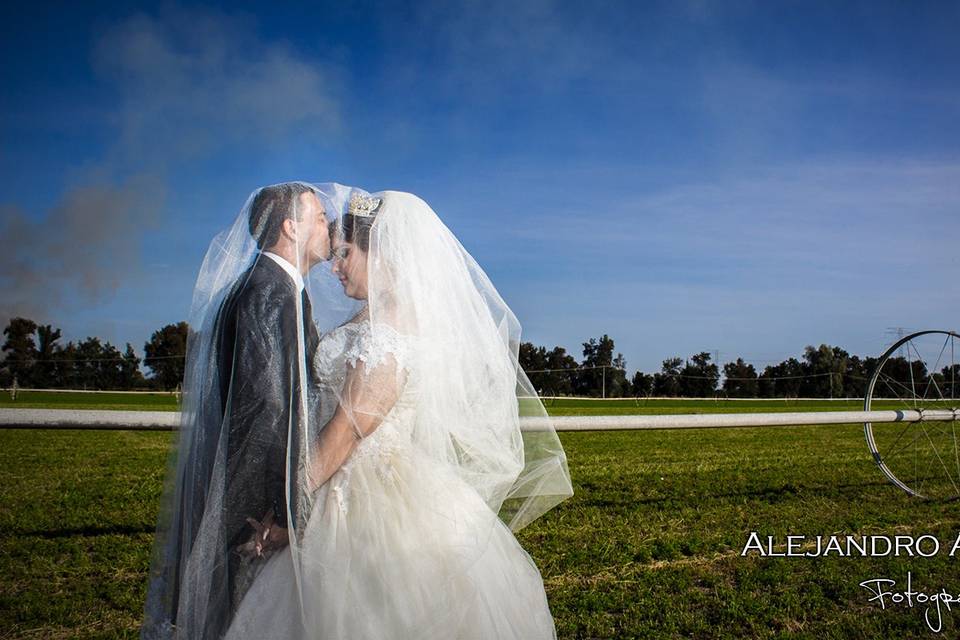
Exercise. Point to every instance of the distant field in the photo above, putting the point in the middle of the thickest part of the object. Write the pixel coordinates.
(555, 406)
(649, 547)
(90, 400)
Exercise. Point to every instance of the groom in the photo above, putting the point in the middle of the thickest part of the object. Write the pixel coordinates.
(260, 365)
(251, 392)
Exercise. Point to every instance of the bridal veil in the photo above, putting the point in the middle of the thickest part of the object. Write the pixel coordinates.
(440, 338)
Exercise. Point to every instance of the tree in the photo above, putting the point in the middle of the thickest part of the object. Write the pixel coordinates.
(857, 375)
(65, 367)
(20, 350)
(740, 379)
(130, 376)
(783, 380)
(603, 374)
(699, 377)
(86, 355)
(47, 349)
(902, 378)
(826, 368)
(641, 385)
(950, 381)
(667, 381)
(617, 384)
(533, 360)
(97, 365)
(560, 380)
(166, 354)
(551, 372)
(109, 367)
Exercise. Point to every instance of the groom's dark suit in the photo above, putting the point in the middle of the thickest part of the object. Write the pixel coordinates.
(259, 366)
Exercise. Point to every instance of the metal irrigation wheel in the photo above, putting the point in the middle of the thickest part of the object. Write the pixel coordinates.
(919, 372)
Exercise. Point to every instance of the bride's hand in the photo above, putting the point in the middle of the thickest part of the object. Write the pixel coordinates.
(267, 537)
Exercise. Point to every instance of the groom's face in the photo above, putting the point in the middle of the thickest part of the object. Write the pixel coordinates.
(314, 238)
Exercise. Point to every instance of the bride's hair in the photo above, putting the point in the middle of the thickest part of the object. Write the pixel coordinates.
(356, 229)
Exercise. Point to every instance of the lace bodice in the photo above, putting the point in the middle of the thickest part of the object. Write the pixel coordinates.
(347, 346)
(355, 342)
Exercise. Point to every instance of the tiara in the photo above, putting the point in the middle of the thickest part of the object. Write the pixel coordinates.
(364, 206)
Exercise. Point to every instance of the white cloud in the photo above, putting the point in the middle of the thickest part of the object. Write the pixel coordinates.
(192, 81)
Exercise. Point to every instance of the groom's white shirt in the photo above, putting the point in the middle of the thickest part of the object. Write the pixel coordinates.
(289, 268)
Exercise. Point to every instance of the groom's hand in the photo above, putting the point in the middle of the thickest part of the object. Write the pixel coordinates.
(267, 537)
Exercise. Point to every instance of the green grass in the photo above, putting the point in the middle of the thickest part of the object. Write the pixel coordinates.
(83, 400)
(647, 548)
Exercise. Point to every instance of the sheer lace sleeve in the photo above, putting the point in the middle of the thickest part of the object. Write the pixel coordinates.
(376, 364)
(375, 345)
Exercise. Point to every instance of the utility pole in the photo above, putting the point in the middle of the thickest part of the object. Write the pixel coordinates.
(716, 361)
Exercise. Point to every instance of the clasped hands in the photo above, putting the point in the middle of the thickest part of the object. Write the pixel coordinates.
(267, 537)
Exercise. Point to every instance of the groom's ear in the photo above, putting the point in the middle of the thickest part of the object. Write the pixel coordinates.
(289, 229)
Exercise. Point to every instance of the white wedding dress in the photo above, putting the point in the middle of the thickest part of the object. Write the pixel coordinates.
(396, 546)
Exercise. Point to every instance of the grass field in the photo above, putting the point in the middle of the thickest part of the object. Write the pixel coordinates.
(87, 400)
(648, 547)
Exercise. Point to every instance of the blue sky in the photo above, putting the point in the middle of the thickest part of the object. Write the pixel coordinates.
(741, 177)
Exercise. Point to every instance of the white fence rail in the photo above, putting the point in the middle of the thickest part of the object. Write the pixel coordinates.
(170, 420)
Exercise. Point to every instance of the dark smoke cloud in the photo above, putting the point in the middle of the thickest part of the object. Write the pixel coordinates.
(81, 250)
(186, 83)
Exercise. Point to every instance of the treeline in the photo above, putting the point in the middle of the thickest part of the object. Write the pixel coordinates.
(34, 357)
(821, 372)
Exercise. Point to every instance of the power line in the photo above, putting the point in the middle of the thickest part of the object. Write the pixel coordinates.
(73, 360)
(689, 377)
(598, 366)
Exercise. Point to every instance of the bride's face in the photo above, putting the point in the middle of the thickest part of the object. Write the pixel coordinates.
(350, 265)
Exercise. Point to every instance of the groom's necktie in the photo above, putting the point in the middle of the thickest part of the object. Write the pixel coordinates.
(309, 328)
(305, 303)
